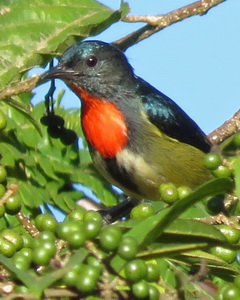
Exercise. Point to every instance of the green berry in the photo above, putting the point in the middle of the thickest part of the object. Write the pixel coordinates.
(153, 272)
(92, 215)
(12, 237)
(153, 293)
(91, 271)
(135, 270)
(93, 261)
(27, 240)
(91, 228)
(66, 228)
(184, 191)
(7, 248)
(231, 234)
(12, 205)
(47, 235)
(76, 239)
(128, 248)
(231, 293)
(110, 237)
(222, 172)
(220, 291)
(21, 261)
(50, 247)
(86, 284)
(41, 256)
(212, 160)
(168, 192)
(225, 254)
(77, 214)
(71, 277)
(46, 222)
(3, 174)
(87, 279)
(27, 252)
(140, 289)
(3, 121)
(142, 211)
(21, 289)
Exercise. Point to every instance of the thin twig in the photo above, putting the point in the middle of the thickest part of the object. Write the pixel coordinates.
(21, 87)
(159, 22)
(30, 228)
(219, 219)
(227, 129)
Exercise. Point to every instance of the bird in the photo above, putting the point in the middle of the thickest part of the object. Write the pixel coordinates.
(138, 137)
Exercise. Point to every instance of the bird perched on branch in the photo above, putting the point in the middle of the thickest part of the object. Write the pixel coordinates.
(138, 137)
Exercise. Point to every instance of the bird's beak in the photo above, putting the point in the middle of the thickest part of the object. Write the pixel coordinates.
(56, 72)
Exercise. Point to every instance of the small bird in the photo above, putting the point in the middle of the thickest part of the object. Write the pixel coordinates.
(137, 136)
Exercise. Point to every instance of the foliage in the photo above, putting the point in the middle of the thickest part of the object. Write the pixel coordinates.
(45, 172)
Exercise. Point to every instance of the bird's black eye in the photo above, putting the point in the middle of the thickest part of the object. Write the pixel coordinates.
(92, 61)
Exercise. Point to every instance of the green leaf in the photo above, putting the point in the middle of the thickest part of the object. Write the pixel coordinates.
(97, 185)
(9, 154)
(24, 276)
(55, 25)
(194, 229)
(213, 261)
(30, 195)
(46, 166)
(184, 235)
(23, 110)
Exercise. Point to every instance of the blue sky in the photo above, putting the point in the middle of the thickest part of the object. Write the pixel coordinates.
(195, 62)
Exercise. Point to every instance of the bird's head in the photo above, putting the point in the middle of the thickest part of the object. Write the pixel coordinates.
(94, 66)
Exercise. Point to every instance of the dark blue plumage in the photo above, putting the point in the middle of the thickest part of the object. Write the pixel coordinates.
(170, 118)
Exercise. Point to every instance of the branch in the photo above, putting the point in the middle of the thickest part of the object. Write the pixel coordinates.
(21, 87)
(159, 22)
(227, 129)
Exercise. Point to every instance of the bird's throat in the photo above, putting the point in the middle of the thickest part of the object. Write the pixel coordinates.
(103, 123)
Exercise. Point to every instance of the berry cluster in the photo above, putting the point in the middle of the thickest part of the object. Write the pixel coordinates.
(56, 129)
(56, 241)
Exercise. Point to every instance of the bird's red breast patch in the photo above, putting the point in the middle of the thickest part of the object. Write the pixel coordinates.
(103, 123)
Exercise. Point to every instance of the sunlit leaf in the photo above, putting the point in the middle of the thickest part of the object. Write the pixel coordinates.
(55, 25)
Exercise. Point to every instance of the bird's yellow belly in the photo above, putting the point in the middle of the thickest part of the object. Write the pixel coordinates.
(182, 165)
